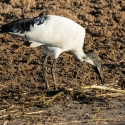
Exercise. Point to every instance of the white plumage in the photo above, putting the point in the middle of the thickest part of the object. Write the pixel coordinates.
(56, 34)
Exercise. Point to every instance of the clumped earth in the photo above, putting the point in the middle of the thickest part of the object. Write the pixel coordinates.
(81, 98)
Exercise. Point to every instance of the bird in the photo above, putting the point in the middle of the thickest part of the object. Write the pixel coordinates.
(55, 34)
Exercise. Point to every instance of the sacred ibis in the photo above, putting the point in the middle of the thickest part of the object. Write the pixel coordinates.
(55, 34)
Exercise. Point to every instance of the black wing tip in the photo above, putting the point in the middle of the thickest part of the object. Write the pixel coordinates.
(3, 30)
(22, 25)
(19, 25)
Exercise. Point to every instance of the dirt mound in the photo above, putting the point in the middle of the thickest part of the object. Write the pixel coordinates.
(23, 98)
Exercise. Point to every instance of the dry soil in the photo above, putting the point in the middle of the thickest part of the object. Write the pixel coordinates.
(23, 97)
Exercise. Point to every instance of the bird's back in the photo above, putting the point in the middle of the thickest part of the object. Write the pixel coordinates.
(49, 30)
(57, 31)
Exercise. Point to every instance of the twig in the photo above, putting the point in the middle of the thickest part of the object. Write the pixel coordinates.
(33, 113)
(6, 102)
(1, 111)
(14, 111)
(13, 107)
(2, 85)
(104, 88)
(110, 95)
(3, 116)
(5, 123)
(120, 61)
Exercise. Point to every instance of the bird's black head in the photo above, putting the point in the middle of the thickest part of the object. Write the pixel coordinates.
(94, 60)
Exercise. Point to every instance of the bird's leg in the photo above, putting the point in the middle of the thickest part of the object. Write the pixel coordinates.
(44, 71)
(53, 73)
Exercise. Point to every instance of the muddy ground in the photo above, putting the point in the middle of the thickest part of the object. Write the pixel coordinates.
(23, 97)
